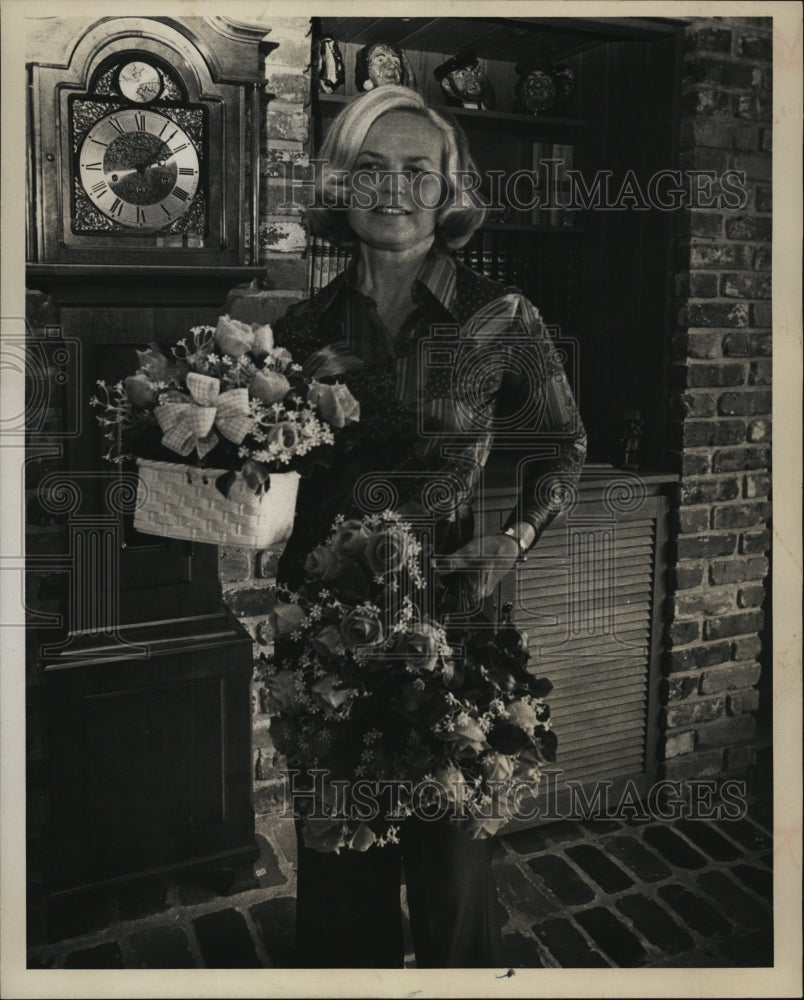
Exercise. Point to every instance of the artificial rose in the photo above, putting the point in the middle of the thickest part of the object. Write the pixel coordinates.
(287, 618)
(361, 628)
(255, 473)
(153, 363)
(233, 337)
(327, 642)
(466, 734)
(419, 646)
(386, 551)
(453, 782)
(284, 434)
(352, 584)
(139, 390)
(323, 834)
(362, 838)
(497, 767)
(350, 538)
(335, 403)
(332, 695)
(322, 564)
(282, 692)
(263, 340)
(522, 715)
(284, 734)
(282, 357)
(269, 387)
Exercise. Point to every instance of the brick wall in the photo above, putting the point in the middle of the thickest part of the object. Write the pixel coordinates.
(247, 576)
(720, 407)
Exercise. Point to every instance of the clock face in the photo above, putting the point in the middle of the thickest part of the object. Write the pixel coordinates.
(139, 168)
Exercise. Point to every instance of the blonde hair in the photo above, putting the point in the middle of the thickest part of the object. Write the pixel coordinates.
(459, 217)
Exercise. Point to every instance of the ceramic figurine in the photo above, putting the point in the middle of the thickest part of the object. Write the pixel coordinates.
(329, 71)
(630, 438)
(543, 88)
(380, 63)
(465, 84)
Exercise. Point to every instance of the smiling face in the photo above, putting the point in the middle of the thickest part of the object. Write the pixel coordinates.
(397, 180)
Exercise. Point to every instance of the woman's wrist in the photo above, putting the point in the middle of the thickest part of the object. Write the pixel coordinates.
(522, 533)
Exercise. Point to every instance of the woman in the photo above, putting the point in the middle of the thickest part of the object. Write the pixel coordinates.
(391, 191)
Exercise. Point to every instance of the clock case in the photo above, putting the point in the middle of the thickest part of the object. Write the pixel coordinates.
(219, 70)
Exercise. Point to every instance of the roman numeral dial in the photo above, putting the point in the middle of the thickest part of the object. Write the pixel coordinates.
(139, 168)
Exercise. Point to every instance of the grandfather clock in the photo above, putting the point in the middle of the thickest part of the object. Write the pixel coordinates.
(143, 177)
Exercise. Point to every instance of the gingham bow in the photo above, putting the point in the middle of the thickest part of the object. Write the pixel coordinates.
(189, 425)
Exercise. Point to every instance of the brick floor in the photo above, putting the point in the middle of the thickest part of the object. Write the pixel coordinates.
(588, 894)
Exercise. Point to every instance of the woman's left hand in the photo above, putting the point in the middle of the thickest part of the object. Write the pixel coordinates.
(486, 559)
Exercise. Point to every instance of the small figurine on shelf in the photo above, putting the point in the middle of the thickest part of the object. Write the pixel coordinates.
(380, 63)
(465, 84)
(542, 87)
(630, 438)
(328, 65)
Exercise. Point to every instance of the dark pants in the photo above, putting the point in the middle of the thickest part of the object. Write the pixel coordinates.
(348, 907)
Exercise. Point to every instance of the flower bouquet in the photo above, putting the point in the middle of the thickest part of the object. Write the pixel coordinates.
(221, 427)
(381, 712)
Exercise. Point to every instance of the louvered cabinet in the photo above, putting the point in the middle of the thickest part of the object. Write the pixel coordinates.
(589, 597)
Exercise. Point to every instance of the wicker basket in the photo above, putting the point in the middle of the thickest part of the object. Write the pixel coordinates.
(179, 501)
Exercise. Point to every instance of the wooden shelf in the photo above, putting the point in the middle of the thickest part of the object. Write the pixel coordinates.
(503, 121)
(137, 272)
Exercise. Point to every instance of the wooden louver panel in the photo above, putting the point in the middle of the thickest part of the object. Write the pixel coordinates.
(585, 600)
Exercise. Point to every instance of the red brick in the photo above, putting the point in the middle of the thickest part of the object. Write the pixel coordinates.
(760, 373)
(287, 121)
(753, 106)
(758, 430)
(737, 570)
(757, 167)
(751, 597)
(682, 633)
(707, 40)
(694, 463)
(702, 100)
(766, 145)
(743, 649)
(738, 459)
(692, 520)
(708, 602)
(702, 286)
(745, 286)
(234, 564)
(762, 314)
(684, 577)
(697, 222)
(758, 47)
(679, 688)
(755, 541)
(706, 375)
(708, 433)
(714, 653)
(706, 546)
(722, 314)
(757, 486)
(764, 202)
(721, 628)
(693, 711)
(745, 403)
(677, 744)
(748, 227)
(693, 404)
(742, 702)
(729, 677)
(718, 134)
(715, 71)
(250, 601)
(740, 515)
(698, 344)
(717, 256)
(761, 259)
(739, 729)
(699, 491)
(694, 765)
(739, 758)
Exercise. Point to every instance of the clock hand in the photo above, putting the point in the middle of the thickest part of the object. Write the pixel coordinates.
(151, 160)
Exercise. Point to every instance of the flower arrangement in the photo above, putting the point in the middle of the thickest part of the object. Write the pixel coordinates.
(225, 398)
(381, 712)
